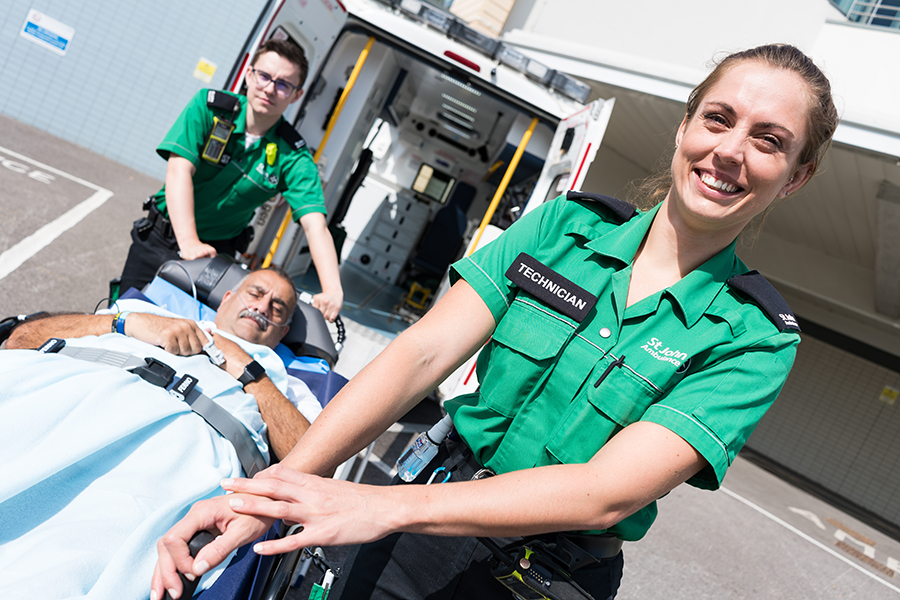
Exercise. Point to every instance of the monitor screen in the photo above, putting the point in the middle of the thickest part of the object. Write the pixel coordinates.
(432, 184)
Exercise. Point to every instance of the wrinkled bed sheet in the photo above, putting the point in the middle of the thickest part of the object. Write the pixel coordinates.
(98, 465)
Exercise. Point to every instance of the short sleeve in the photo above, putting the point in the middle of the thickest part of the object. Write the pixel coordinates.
(186, 136)
(301, 186)
(716, 409)
(485, 270)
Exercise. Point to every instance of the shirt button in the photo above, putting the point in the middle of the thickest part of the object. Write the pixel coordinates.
(605, 332)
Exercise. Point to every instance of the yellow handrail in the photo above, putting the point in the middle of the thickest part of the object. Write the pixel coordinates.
(331, 123)
(503, 183)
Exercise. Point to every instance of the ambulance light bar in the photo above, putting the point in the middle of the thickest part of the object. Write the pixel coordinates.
(461, 32)
(511, 57)
(492, 47)
(571, 87)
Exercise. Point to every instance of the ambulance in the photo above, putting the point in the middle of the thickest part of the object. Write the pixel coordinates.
(430, 137)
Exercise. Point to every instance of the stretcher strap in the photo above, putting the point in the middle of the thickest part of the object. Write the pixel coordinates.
(252, 460)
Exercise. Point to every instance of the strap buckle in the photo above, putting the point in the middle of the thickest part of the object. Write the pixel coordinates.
(156, 372)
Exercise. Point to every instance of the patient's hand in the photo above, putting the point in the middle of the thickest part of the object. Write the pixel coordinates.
(177, 336)
(235, 357)
(214, 515)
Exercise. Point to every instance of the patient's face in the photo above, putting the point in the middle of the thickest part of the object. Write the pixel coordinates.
(260, 309)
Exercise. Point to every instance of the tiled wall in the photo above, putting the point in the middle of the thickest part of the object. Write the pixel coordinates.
(127, 73)
(831, 425)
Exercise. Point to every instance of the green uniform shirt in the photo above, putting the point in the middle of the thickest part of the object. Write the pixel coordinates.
(699, 358)
(226, 196)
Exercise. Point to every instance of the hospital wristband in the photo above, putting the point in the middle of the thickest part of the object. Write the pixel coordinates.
(118, 322)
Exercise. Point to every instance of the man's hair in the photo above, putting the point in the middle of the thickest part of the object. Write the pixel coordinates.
(286, 50)
(281, 273)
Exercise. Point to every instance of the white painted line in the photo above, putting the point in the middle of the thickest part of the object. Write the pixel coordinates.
(809, 539)
(12, 258)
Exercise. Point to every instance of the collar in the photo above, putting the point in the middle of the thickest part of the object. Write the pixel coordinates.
(695, 292)
(622, 242)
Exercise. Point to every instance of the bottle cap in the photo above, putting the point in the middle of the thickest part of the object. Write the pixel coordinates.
(439, 430)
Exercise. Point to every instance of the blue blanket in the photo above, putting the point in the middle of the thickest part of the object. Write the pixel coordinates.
(99, 464)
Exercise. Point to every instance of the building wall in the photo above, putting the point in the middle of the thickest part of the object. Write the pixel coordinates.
(127, 73)
(836, 423)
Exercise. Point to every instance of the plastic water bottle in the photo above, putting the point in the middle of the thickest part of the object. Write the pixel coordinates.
(417, 456)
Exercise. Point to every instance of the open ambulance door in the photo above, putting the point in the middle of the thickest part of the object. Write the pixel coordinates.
(571, 153)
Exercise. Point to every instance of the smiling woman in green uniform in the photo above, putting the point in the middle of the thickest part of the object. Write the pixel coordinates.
(626, 353)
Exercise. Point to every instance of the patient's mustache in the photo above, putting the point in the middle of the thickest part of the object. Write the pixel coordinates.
(260, 320)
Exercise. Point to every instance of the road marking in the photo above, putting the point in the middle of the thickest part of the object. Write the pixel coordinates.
(809, 539)
(12, 258)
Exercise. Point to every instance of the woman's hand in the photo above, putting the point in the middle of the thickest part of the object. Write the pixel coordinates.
(332, 512)
(213, 515)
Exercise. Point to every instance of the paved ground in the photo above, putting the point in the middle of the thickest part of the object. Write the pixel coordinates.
(758, 538)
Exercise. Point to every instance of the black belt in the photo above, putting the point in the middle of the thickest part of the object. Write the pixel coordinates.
(464, 466)
(158, 221)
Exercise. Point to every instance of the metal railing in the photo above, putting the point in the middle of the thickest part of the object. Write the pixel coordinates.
(875, 13)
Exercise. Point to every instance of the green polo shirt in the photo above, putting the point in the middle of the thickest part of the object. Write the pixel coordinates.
(226, 196)
(698, 358)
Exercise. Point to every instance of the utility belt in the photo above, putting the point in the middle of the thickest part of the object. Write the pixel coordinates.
(539, 567)
(158, 221)
(154, 220)
(160, 374)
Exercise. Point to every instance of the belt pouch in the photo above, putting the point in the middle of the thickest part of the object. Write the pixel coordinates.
(532, 576)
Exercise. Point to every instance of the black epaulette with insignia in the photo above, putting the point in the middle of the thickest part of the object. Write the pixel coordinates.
(290, 135)
(620, 208)
(767, 297)
(221, 100)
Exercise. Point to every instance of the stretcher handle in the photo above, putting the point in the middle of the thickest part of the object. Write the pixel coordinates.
(200, 539)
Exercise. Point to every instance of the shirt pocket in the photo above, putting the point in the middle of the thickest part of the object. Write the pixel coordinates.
(522, 350)
(255, 186)
(598, 413)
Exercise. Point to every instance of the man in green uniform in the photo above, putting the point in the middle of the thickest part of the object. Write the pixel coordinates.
(227, 155)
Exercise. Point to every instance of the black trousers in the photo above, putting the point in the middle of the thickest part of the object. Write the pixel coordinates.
(153, 243)
(411, 566)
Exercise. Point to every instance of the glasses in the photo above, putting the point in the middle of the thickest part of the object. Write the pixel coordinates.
(282, 88)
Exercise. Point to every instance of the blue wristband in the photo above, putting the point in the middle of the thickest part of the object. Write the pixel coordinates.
(119, 321)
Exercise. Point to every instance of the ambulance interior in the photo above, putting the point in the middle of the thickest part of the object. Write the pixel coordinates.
(408, 171)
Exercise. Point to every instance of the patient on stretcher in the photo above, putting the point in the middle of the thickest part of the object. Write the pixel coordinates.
(99, 463)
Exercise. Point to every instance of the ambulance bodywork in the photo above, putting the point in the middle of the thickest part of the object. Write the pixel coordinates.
(425, 135)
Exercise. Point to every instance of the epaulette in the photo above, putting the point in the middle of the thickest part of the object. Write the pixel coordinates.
(290, 135)
(221, 100)
(767, 297)
(620, 208)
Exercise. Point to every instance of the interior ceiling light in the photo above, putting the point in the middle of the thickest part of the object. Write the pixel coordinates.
(464, 86)
(458, 112)
(456, 131)
(456, 120)
(459, 103)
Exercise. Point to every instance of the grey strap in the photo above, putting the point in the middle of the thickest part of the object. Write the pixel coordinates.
(107, 357)
(229, 427)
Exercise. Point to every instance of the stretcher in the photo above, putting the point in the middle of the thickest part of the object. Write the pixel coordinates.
(309, 351)
(308, 355)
